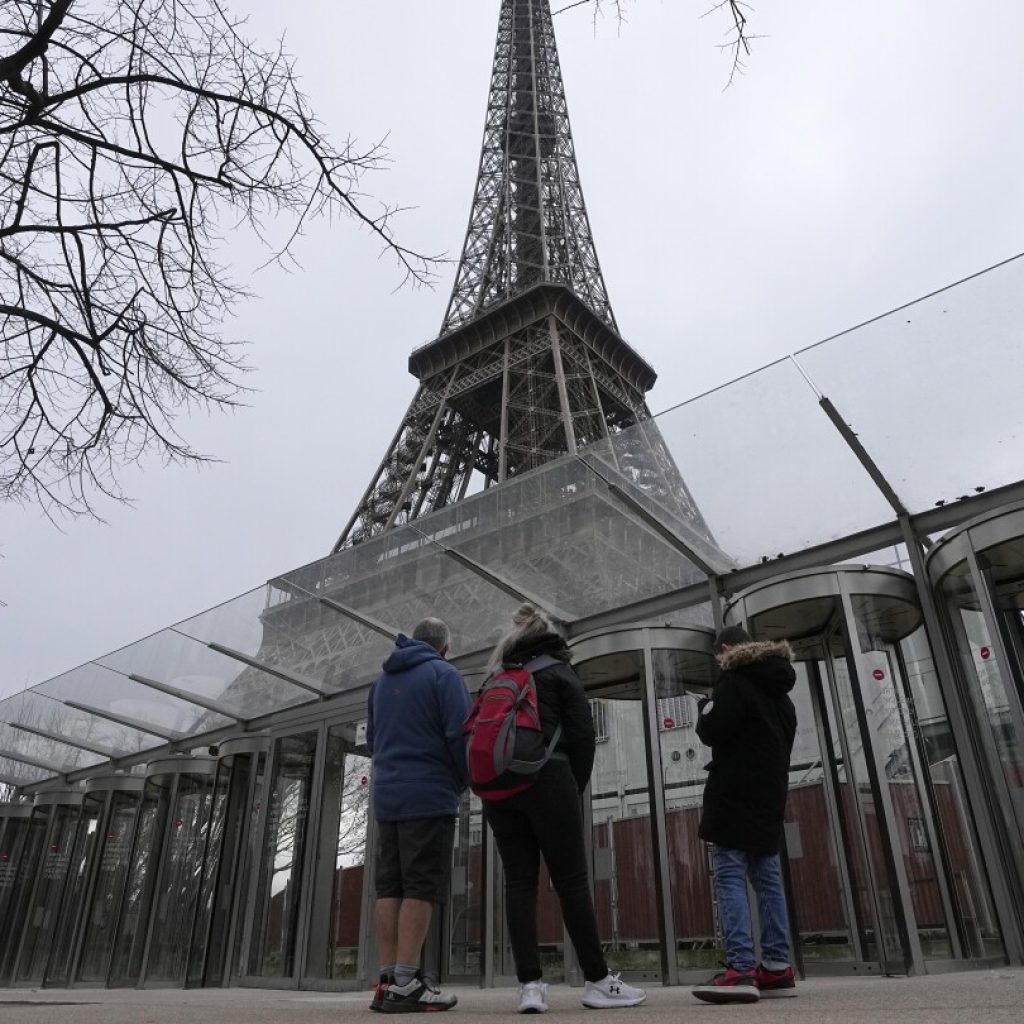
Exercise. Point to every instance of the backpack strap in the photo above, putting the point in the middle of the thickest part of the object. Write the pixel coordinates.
(537, 664)
(541, 662)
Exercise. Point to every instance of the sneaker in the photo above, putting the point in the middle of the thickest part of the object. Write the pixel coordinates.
(533, 997)
(417, 996)
(776, 984)
(730, 986)
(379, 991)
(611, 991)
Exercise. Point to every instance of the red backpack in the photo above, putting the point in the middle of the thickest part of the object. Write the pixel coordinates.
(504, 740)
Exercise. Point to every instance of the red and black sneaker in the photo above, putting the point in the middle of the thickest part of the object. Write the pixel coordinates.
(776, 984)
(380, 991)
(731, 986)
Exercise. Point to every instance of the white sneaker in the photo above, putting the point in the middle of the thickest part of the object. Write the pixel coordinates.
(533, 997)
(610, 992)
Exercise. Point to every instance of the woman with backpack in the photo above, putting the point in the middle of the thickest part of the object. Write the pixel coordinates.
(545, 819)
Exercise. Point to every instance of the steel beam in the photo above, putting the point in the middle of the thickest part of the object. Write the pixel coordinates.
(361, 617)
(35, 762)
(853, 442)
(303, 682)
(92, 748)
(131, 723)
(499, 582)
(190, 698)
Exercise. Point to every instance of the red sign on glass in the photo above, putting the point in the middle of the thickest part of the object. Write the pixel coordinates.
(985, 653)
(670, 723)
(878, 674)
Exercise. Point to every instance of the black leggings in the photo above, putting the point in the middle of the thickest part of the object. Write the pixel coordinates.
(546, 820)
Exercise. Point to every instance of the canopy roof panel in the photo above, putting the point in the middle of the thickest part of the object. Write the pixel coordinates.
(925, 410)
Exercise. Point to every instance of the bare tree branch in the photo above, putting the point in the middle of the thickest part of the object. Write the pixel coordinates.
(738, 36)
(132, 134)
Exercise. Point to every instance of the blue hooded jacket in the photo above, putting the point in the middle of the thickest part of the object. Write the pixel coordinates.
(415, 716)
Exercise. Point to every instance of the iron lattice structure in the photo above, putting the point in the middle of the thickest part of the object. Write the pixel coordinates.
(529, 365)
(528, 223)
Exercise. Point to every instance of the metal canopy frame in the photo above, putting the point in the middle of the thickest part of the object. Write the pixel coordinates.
(303, 682)
(33, 762)
(132, 723)
(207, 703)
(92, 748)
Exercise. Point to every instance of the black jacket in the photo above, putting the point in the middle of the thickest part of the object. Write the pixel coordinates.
(560, 698)
(749, 723)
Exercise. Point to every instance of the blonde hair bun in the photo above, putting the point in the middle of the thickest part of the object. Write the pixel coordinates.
(524, 613)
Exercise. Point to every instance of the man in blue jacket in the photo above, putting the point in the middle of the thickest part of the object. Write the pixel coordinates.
(414, 729)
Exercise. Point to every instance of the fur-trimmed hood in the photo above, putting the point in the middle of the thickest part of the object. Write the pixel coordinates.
(770, 662)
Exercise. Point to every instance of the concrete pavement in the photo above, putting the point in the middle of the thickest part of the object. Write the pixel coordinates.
(988, 997)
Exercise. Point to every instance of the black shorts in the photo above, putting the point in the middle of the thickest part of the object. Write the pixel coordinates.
(414, 859)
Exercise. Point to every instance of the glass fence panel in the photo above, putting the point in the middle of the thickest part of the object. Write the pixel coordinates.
(933, 389)
(766, 470)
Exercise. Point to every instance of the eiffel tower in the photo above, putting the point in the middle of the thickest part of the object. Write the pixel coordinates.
(529, 365)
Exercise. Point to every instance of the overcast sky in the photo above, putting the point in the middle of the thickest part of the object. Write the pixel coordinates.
(872, 153)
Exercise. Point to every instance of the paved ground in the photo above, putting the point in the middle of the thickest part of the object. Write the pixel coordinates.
(986, 997)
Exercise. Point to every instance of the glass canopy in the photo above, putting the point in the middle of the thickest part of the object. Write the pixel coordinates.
(735, 477)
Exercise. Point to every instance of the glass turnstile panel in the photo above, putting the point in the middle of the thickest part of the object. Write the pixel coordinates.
(201, 926)
(914, 837)
(683, 757)
(48, 895)
(58, 970)
(272, 950)
(109, 889)
(465, 907)
(625, 896)
(863, 822)
(825, 916)
(971, 895)
(992, 686)
(130, 926)
(337, 942)
(234, 785)
(21, 852)
(179, 888)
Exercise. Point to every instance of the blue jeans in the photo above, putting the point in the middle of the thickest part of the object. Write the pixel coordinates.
(732, 868)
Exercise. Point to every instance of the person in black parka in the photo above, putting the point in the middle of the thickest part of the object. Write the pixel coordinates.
(749, 723)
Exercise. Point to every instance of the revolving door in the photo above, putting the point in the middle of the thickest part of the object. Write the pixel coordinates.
(978, 574)
(883, 866)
